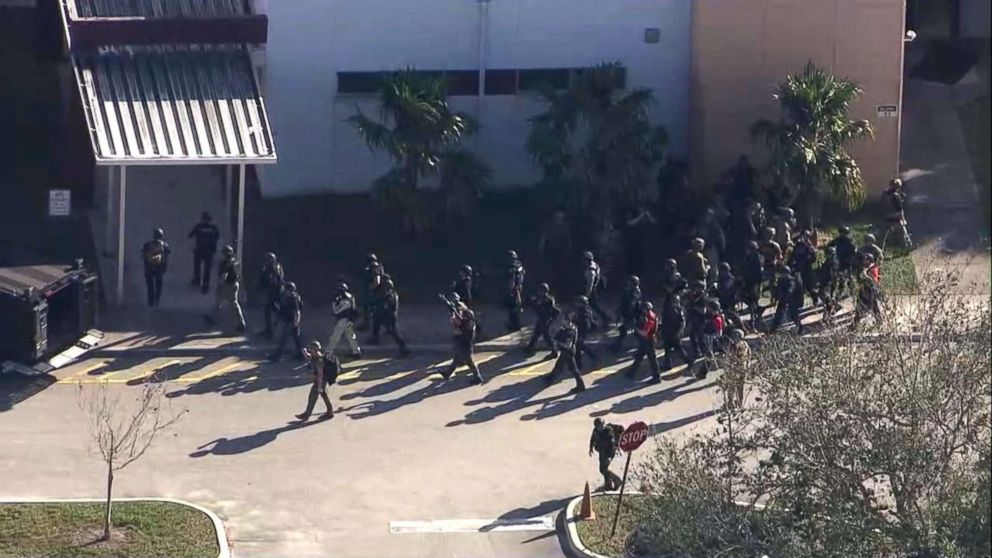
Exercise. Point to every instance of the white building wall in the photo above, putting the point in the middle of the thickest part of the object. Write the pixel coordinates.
(311, 40)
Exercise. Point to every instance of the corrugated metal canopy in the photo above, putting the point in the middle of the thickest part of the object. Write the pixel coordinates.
(16, 280)
(161, 105)
(159, 8)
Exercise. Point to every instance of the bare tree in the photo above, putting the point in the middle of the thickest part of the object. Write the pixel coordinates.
(123, 428)
(871, 442)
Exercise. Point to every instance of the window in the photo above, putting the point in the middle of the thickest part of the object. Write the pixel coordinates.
(355, 83)
(501, 82)
(462, 82)
(532, 80)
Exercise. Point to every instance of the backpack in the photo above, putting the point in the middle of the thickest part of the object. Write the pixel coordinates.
(155, 254)
(332, 367)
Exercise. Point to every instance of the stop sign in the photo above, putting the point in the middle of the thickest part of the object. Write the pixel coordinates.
(633, 436)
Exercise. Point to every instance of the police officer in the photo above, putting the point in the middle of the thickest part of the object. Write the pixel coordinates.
(566, 343)
(869, 291)
(672, 328)
(713, 327)
(371, 279)
(788, 297)
(630, 305)
(593, 285)
(155, 254)
(736, 374)
(515, 292)
(695, 265)
(547, 310)
(271, 280)
(784, 225)
(207, 236)
(697, 300)
(291, 315)
(604, 441)
(345, 314)
(387, 315)
(801, 261)
(464, 285)
(714, 239)
(647, 330)
(897, 217)
(846, 255)
(771, 253)
(463, 322)
(871, 248)
(729, 288)
(317, 363)
(828, 279)
(585, 322)
(752, 276)
(672, 283)
(229, 279)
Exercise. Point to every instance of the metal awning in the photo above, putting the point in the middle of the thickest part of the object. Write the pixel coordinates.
(173, 105)
(158, 8)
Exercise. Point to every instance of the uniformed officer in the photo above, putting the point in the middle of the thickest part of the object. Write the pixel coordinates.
(695, 265)
(672, 328)
(788, 297)
(206, 236)
(736, 374)
(828, 278)
(464, 285)
(672, 282)
(897, 217)
(604, 441)
(771, 253)
(753, 275)
(155, 255)
(547, 310)
(869, 291)
(387, 315)
(585, 322)
(566, 341)
(271, 280)
(291, 315)
(463, 322)
(630, 304)
(698, 298)
(593, 284)
(802, 260)
(345, 314)
(317, 363)
(847, 254)
(784, 225)
(371, 279)
(515, 292)
(229, 279)
(872, 248)
(729, 288)
(647, 330)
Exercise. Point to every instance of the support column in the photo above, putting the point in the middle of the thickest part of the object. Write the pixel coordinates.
(228, 200)
(241, 212)
(108, 229)
(121, 222)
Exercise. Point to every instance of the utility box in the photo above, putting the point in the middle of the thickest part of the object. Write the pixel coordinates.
(44, 309)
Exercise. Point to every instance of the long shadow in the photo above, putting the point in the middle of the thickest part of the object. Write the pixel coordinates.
(437, 386)
(602, 389)
(175, 371)
(242, 444)
(639, 402)
(544, 508)
(272, 377)
(662, 427)
(17, 388)
(517, 396)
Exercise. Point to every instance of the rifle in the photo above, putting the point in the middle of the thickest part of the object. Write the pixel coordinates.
(452, 306)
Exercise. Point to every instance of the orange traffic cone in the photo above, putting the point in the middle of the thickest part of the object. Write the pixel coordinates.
(585, 511)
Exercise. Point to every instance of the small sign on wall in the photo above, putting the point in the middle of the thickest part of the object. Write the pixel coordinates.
(887, 111)
(59, 203)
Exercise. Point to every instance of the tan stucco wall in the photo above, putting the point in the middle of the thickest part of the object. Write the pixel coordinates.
(742, 48)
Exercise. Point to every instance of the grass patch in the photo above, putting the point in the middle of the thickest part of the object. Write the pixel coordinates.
(898, 271)
(141, 529)
(595, 535)
(975, 123)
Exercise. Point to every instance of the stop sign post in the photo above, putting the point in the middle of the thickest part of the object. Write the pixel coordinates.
(631, 439)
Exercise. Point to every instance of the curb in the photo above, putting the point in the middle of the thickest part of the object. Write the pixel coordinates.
(222, 544)
(573, 545)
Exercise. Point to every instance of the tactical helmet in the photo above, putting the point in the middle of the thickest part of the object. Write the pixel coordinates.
(845, 230)
(725, 267)
(513, 255)
(770, 231)
(314, 346)
(388, 283)
(736, 335)
(599, 421)
(699, 284)
(467, 269)
(677, 276)
(698, 244)
(715, 305)
(635, 280)
(270, 257)
(588, 256)
(227, 250)
(582, 299)
(342, 287)
(785, 270)
(290, 286)
(670, 264)
(206, 216)
(868, 258)
(790, 213)
(544, 288)
(753, 245)
(896, 182)
(830, 250)
(646, 306)
(869, 238)
(371, 258)
(455, 297)
(158, 234)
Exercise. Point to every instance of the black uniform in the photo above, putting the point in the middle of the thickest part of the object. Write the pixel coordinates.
(672, 328)
(696, 320)
(387, 316)
(377, 300)
(155, 254)
(593, 286)
(604, 441)
(566, 341)
(847, 255)
(206, 236)
(752, 276)
(802, 260)
(828, 278)
(515, 294)
(729, 289)
(463, 321)
(630, 304)
(585, 322)
(464, 287)
(672, 284)
(547, 310)
(270, 280)
(371, 280)
(291, 315)
(789, 295)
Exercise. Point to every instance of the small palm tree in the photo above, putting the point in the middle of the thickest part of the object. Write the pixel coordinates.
(808, 144)
(419, 131)
(597, 142)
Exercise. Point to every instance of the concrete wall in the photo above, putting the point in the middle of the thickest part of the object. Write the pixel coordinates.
(741, 49)
(311, 40)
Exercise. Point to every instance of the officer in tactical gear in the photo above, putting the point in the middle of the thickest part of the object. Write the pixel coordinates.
(828, 278)
(784, 225)
(695, 265)
(229, 279)
(647, 330)
(605, 441)
(291, 315)
(464, 285)
(729, 288)
(318, 362)
(345, 314)
(463, 322)
(155, 255)
(771, 253)
(713, 327)
(714, 239)
(847, 254)
(630, 307)
(547, 310)
(271, 280)
(515, 292)
(566, 343)
(372, 275)
(788, 295)
(387, 315)
(736, 374)
(698, 298)
(752, 276)
(756, 219)
(802, 259)
(672, 283)
(672, 328)
(207, 236)
(897, 216)
(871, 248)
(869, 291)
(585, 323)
(593, 284)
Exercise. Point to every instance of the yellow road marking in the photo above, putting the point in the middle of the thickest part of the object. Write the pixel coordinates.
(207, 376)
(122, 376)
(84, 371)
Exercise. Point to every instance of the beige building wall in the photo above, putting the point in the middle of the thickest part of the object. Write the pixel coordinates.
(742, 48)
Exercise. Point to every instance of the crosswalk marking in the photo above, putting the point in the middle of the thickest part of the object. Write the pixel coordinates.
(211, 374)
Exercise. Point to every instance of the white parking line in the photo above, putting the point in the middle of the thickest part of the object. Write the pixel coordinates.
(544, 523)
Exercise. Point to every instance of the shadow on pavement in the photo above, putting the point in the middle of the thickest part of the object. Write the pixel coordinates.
(242, 444)
(16, 388)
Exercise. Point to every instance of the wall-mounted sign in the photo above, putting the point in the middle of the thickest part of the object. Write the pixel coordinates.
(887, 111)
(59, 203)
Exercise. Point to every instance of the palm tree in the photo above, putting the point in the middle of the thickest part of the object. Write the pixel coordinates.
(419, 131)
(809, 160)
(596, 142)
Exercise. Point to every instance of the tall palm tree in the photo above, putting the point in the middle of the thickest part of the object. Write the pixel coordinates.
(809, 160)
(596, 141)
(419, 131)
